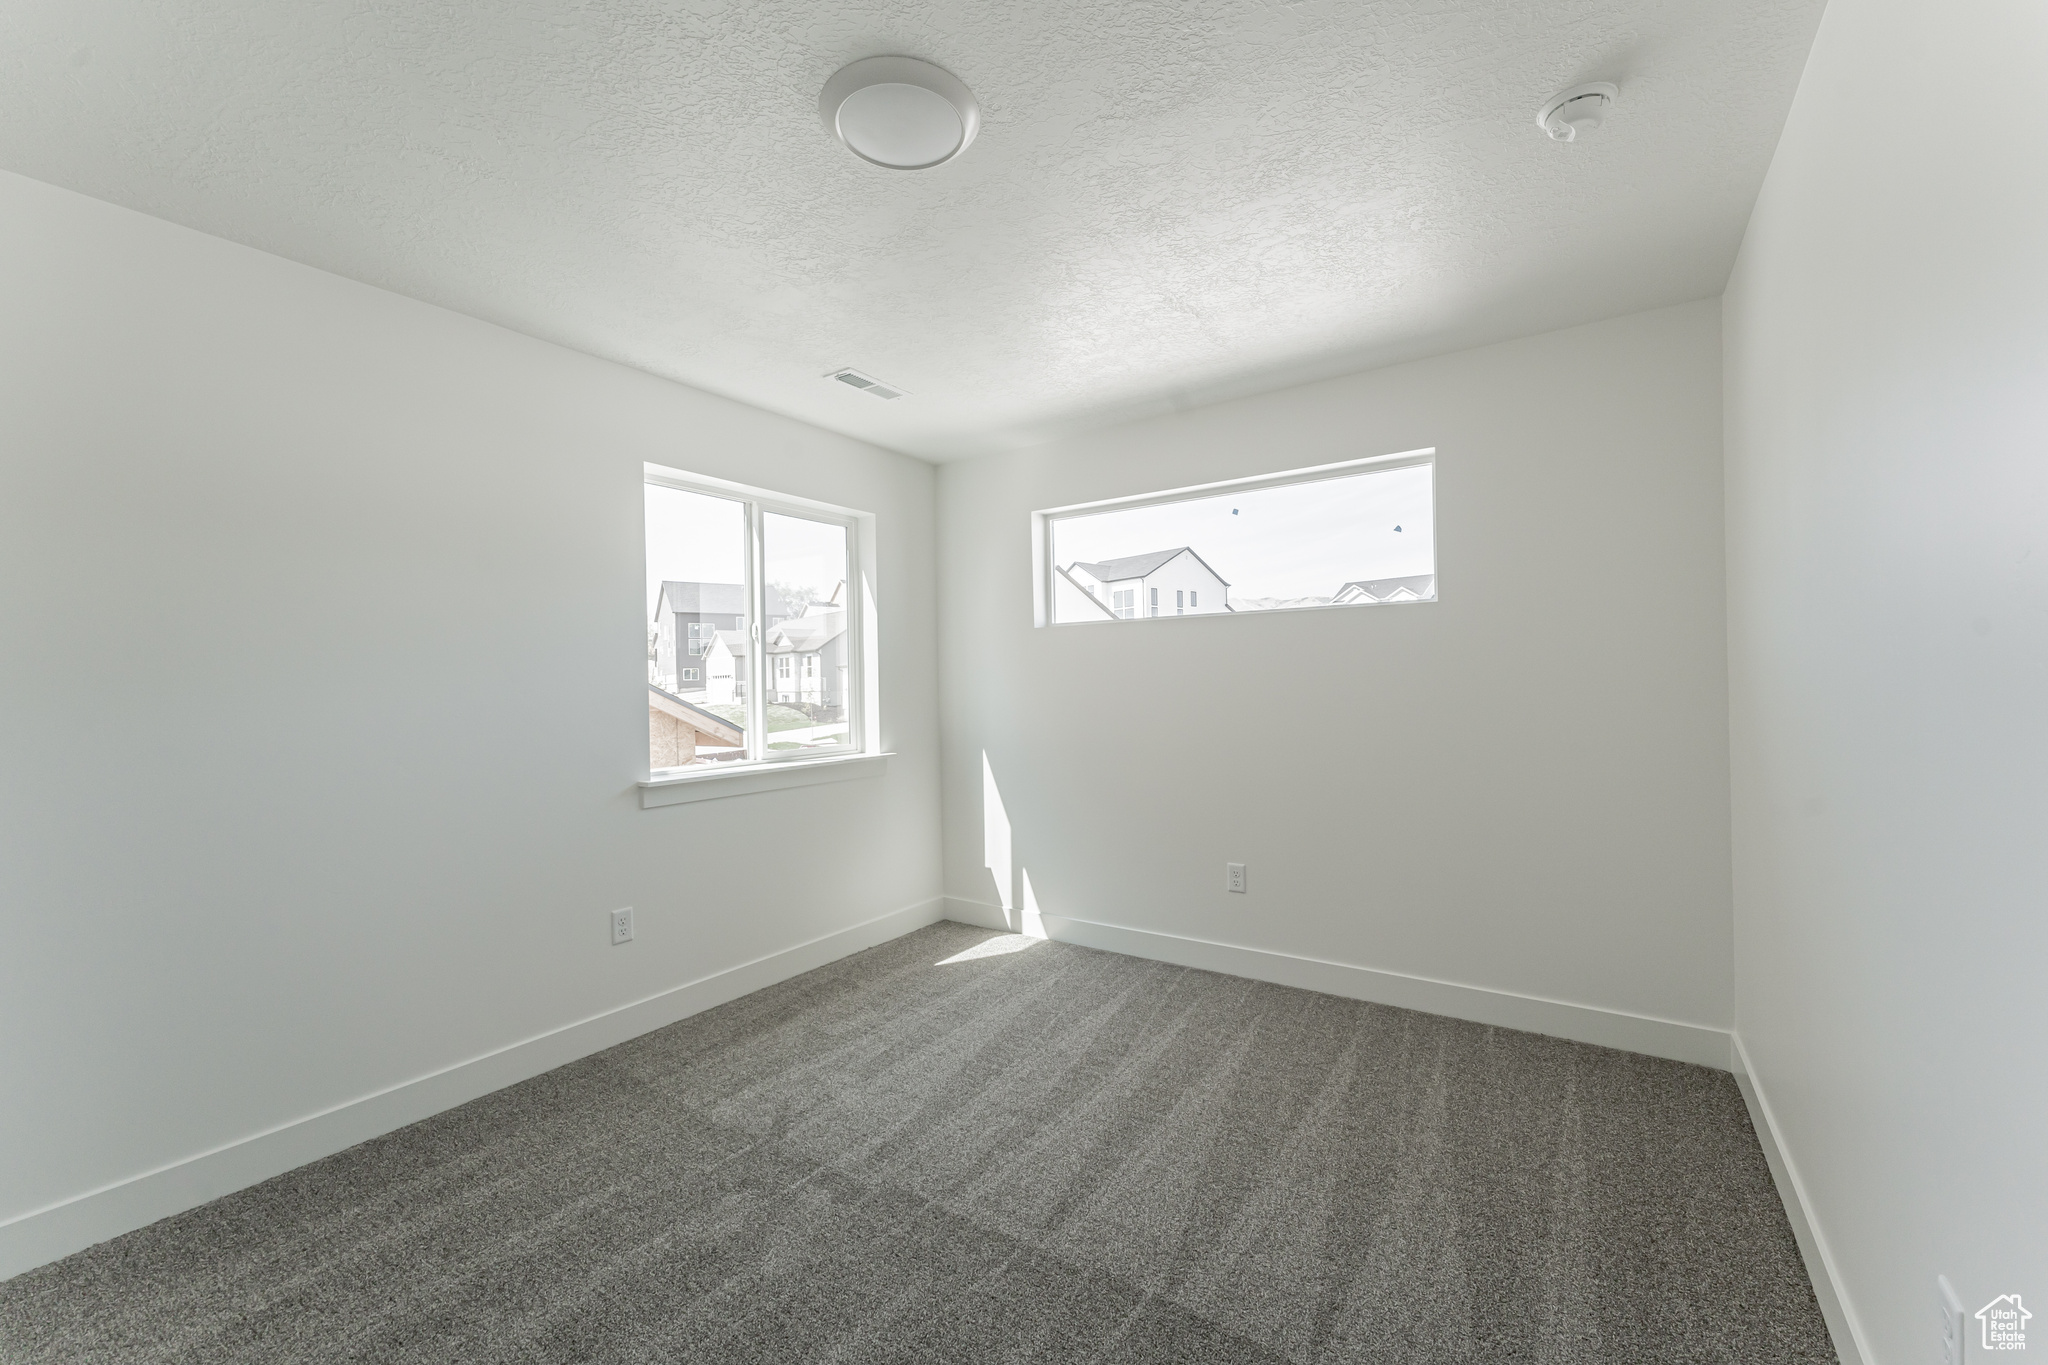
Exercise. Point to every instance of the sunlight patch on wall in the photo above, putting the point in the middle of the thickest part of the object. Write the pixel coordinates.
(1034, 923)
(995, 835)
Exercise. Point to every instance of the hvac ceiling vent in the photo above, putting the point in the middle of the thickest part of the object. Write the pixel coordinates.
(866, 383)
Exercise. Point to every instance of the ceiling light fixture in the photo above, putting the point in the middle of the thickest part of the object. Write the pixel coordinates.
(866, 383)
(1577, 110)
(900, 112)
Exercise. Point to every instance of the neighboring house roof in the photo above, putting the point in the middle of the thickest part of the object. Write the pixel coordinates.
(719, 650)
(1086, 596)
(712, 599)
(1139, 566)
(822, 605)
(806, 633)
(706, 723)
(1380, 589)
(705, 599)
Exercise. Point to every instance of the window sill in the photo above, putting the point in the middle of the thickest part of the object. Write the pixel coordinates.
(711, 784)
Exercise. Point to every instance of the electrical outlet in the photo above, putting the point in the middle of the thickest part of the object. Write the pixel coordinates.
(622, 926)
(1952, 1334)
(1235, 872)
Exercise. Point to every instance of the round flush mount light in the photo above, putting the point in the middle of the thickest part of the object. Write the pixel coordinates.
(1574, 111)
(900, 112)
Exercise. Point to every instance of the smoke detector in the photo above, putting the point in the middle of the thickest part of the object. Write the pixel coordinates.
(899, 112)
(866, 383)
(1574, 111)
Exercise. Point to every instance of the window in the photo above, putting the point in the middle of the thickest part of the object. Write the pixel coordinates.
(738, 578)
(1362, 533)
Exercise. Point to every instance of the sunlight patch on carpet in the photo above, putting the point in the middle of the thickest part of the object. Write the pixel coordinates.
(993, 947)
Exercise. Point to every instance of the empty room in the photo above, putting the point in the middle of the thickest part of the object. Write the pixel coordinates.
(1251, 682)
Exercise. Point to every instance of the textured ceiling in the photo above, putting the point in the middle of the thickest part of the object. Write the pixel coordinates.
(1168, 202)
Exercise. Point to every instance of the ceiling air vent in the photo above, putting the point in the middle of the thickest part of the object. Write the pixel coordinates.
(867, 383)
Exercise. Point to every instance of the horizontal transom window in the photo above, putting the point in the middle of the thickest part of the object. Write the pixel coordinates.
(1361, 533)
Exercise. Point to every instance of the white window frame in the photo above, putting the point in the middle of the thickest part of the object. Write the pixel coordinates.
(763, 768)
(1043, 566)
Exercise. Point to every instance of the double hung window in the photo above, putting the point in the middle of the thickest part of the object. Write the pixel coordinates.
(740, 584)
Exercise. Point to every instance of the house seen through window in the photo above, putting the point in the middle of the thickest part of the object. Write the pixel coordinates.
(752, 637)
(1359, 534)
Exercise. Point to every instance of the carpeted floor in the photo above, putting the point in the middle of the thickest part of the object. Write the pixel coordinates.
(959, 1148)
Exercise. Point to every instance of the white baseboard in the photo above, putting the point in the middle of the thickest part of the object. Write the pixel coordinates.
(1695, 1043)
(55, 1231)
(1842, 1322)
(980, 914)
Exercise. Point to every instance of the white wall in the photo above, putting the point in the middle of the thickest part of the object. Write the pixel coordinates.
(1887, 421)
(1522, 787)
(1184, 574)
(321, 702)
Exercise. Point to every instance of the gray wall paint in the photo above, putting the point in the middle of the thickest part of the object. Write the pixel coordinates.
(1522, 786)
(364, 813)
(1888, 634)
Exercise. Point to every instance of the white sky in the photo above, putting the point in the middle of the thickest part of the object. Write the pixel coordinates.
(693, 537)
(1298, 540)
(798, 553)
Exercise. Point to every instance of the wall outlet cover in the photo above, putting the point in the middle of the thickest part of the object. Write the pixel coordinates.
(1952, 1333)
(622, 925)
(1234, 873)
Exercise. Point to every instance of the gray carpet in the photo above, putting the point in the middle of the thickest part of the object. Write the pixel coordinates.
(1051, 1154)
